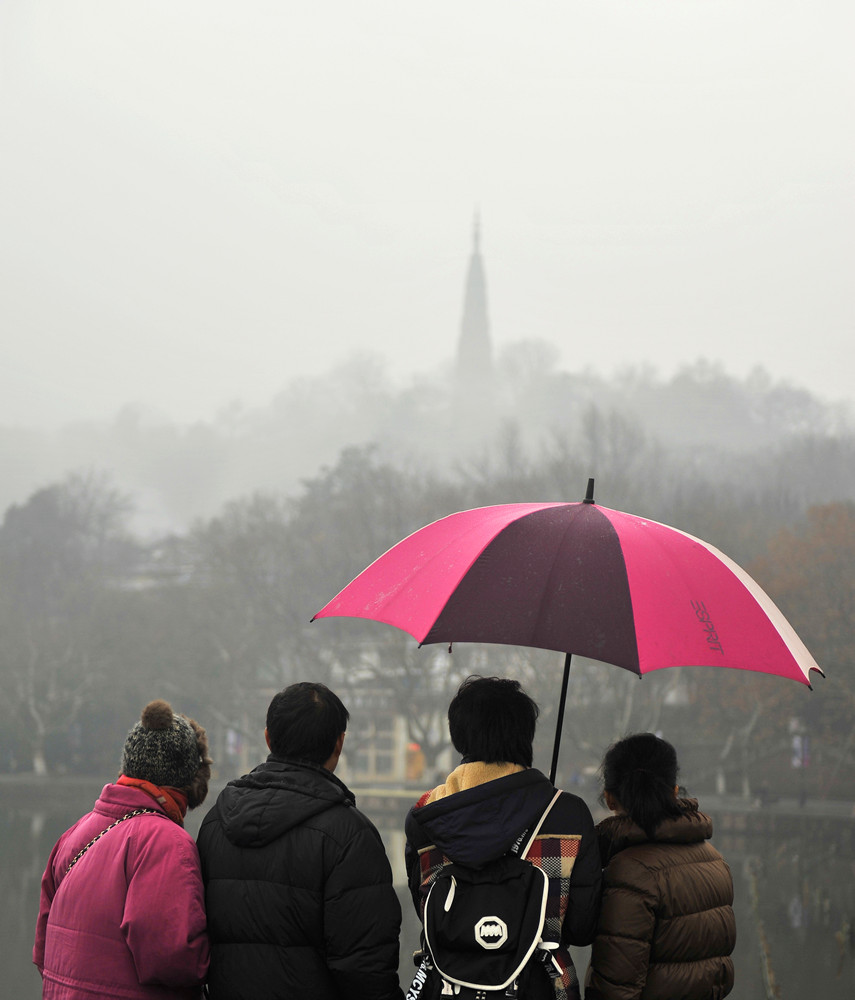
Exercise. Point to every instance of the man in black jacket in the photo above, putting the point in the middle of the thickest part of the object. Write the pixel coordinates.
(298, 887)
(489, 802)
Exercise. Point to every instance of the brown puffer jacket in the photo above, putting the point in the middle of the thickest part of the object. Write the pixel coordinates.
(666, 927)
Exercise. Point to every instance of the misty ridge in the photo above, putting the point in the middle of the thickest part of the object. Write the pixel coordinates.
(150, 557)
(702, 425)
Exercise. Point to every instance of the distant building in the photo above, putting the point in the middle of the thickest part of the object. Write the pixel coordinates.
(474, 381)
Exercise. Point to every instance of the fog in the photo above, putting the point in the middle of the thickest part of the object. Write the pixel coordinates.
(200, 202)
(241, 246)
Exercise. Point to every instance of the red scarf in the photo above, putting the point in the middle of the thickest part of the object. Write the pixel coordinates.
(173, 802)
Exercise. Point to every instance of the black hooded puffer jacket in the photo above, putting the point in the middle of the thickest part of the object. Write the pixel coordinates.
(298, 890)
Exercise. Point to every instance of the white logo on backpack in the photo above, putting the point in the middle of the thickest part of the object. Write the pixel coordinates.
(491, 932)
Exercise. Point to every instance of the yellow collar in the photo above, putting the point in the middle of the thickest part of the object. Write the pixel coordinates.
(470, 775)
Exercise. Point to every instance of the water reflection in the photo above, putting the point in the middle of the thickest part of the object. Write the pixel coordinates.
(794, 875)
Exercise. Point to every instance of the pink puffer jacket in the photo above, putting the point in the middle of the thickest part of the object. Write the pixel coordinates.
(129, 919)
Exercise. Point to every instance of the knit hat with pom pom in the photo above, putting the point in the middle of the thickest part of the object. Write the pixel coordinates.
(162, 748)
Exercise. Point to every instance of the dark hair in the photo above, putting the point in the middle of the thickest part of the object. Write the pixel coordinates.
(493, 719)
(197, 790)
(640, 771)
(304, 721)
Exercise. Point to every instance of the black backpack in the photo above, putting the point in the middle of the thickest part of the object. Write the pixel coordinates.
(481, 927)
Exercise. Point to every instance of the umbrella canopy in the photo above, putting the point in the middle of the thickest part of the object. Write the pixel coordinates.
(580, 579)
(577, 578)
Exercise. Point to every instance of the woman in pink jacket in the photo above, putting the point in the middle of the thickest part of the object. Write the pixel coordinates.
(122, 902)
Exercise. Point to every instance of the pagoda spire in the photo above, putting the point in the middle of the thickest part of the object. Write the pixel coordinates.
(473, 391)
(474, 350)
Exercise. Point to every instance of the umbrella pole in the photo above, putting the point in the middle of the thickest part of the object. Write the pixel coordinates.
(560, 724)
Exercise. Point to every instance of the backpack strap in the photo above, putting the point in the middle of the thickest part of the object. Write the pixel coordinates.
(546, 947)
(536, 830)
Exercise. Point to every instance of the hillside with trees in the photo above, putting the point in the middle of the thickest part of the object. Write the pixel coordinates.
(97, 613)
(706, 421)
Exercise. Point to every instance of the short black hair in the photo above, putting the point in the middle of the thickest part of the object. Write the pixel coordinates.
(304, 721)
(641, 772)
(493, 719)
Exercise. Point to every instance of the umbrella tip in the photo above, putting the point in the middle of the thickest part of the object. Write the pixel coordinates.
(589, 496)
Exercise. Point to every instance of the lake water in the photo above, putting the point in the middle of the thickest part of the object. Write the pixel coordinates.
(793, 869)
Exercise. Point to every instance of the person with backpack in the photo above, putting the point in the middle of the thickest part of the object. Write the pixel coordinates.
(122, 904)
(503, 868)
(667, 928)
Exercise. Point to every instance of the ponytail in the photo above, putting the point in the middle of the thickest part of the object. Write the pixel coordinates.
(640, 772)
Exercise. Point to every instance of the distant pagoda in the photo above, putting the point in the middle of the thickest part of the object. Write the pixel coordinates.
(474, 370)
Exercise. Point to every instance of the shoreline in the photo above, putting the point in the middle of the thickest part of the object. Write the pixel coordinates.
(60, 788)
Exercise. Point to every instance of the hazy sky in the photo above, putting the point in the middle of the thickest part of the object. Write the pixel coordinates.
(201, 200)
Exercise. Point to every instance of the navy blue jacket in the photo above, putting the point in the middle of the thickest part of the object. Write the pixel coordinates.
(477, 825)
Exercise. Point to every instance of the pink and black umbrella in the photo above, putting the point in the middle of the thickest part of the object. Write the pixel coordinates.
(577, 578)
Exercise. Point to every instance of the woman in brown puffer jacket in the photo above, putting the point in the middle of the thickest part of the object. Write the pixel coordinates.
(666, 928)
